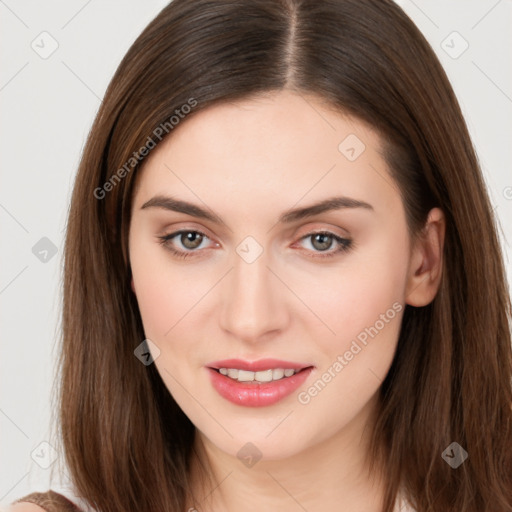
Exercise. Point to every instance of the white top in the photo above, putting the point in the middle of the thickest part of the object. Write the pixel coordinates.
(402, 505)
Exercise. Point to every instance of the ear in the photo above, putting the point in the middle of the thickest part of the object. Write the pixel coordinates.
(426, 263)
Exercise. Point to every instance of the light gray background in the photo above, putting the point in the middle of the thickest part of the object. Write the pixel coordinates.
(48, 105)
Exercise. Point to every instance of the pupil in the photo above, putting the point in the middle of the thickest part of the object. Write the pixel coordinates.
(191, 240)
(322, 239)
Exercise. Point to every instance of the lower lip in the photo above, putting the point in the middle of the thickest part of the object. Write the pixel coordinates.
(256, 394)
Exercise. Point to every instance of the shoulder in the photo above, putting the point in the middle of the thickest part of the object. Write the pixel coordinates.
(49, 501)
(24, 506)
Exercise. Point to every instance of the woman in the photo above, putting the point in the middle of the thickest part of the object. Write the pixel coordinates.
(283, 287)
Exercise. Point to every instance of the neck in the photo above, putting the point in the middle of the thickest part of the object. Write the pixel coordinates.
(329, 475)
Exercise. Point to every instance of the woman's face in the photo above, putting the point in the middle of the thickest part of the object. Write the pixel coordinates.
(248, 279)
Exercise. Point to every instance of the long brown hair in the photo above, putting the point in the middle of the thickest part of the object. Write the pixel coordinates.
(127, 443)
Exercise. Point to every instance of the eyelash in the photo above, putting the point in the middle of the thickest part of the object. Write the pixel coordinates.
(345, 244)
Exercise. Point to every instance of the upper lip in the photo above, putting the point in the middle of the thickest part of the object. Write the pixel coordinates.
(256, 366)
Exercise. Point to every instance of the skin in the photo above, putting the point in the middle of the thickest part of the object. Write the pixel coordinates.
(248, 162)
(25, 507)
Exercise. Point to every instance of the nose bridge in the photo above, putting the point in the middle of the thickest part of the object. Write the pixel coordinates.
(252, 302)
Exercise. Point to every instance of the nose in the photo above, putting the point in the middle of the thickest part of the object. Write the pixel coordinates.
(254, 304)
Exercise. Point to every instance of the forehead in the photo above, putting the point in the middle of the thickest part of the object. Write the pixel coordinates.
(284, 146)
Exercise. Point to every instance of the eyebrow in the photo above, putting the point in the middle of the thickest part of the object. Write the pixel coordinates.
(293, 215)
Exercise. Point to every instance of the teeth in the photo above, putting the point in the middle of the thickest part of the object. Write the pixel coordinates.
(245, 376)
(277, 374)
(262, 376)
(233, 373)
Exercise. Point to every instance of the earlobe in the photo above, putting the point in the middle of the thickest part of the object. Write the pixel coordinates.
(426, 262)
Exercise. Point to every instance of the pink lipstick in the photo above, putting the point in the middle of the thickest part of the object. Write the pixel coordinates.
(257, 383)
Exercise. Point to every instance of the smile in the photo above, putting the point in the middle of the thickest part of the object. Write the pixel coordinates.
(257, 384)
(262, 376)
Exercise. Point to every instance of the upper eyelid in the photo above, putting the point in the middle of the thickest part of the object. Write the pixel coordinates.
(204, 231)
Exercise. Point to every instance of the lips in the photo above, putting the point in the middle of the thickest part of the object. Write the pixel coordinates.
(257, 394)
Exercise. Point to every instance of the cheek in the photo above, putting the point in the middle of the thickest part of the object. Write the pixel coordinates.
(161, 291)
(371, 295)
(365, 310)
(352, 297)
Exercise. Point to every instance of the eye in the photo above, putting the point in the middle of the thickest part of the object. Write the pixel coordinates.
(322, 241)
(190, 241)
